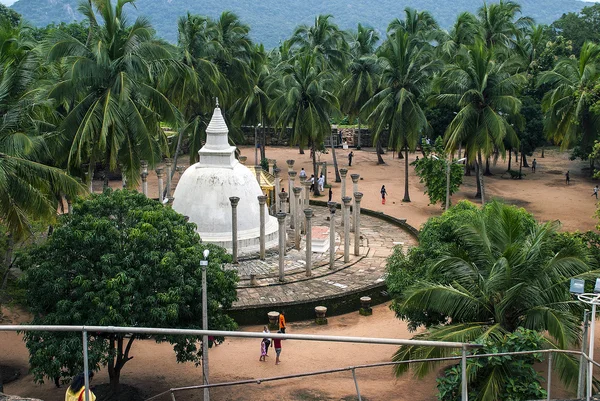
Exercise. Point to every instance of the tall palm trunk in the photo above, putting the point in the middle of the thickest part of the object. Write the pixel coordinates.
(358, 144)
(176, 156)
(300, 150)
(509, 159)
(480, 173)
(477, 179)
(467, 165)
(315, 170)
(338, 178)
(524, 159)
(406, 195)
(263, 152)
(379, 152)
(487, 167)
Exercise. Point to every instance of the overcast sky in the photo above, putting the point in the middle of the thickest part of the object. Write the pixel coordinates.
(7, 2)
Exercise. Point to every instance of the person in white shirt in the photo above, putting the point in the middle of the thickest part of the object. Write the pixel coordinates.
(321, 183)
(302, 173)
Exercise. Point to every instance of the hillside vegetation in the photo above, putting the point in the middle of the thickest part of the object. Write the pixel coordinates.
(273, 20)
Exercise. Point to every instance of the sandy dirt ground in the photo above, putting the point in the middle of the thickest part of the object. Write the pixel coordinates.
(154, 368)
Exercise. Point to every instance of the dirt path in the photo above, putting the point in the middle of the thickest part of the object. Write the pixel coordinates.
(154, 369)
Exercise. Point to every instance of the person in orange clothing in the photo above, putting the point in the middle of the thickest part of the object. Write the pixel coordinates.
(282, 322)
(76, 391)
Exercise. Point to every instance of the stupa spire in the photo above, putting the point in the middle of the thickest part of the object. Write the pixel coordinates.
(217, 152)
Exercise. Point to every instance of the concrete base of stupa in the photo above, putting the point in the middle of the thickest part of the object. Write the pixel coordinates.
(248, 240)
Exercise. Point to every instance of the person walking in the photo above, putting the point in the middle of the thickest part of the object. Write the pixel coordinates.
(321, 183)
(277, 344)
(350, 156)
(263, 350)
(76, 390)
(312, 182)
(383, 194)
(267, 339)
(282, 322)
(595, 191)
(330, 194)
(533, 165)
(568, 177)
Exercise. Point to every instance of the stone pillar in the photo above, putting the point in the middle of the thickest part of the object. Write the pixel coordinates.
(290, 165)
(325, 171)
(365, 306)
(309, 214)
(69, 205)
(258, 173)
(262, 200)
(320, 312)
(332, 206)
(283, 196)
(180, 170)
(343, 173)
(271, 165)
(297, 208)
(168, 168)
(306, 202)
(346, 200)
(273, 320)
(243, 159)
(292, 177)
(357, 197)
(277, 189)
(159, 174)
(145, 183)
(234, 228)
(281, 221)
(144, 166)
(355, 178)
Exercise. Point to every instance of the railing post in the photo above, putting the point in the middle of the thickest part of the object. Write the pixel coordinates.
(463, 362)
(86, 368)
(356, 384)
(549, 375)
(582, 360)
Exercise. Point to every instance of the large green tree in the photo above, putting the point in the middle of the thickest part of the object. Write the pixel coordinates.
(485, 92)
(29, 188)
(569, 120)
(406, 72)
(120, 259)
(112, 109)
(306, 103)
(503, 272)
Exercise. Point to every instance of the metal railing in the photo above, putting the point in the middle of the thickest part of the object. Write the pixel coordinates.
(464, 347)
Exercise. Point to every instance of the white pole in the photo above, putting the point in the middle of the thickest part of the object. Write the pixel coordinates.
(256, 145)
(86, 368)
(204, 264)
(591, 353)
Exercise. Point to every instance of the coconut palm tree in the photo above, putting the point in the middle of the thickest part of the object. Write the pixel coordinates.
(323, 39)
(306, 103)
(29, 189)
(112, 108)
(569, 120)
(485, 92)
(503, 274)
(406, 70)
(500, 24)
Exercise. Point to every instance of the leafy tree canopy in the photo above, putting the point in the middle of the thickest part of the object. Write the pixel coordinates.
(579, 27)
(433, 172)
(120, 259)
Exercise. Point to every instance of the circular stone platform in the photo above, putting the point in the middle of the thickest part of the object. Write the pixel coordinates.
(339, 289)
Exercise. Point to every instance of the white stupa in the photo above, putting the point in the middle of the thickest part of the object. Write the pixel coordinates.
(204, 190)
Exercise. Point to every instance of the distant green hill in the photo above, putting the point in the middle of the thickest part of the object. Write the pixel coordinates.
(274, 20)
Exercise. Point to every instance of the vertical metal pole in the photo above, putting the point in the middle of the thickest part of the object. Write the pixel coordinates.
(356, 385)
(86, 368)
(463, 362)
(448, 166)
(591, 351)
(204, 264)
(549, 374)
(172, 395)
(582, 360)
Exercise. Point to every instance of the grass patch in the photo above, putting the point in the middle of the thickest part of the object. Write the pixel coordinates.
(309, 395)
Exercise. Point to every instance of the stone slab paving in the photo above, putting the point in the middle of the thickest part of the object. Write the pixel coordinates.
(378, 238)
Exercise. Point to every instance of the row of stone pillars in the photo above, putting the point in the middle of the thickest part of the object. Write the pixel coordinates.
(161, 173)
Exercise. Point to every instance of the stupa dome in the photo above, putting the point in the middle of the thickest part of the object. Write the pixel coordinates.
(204, 189)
